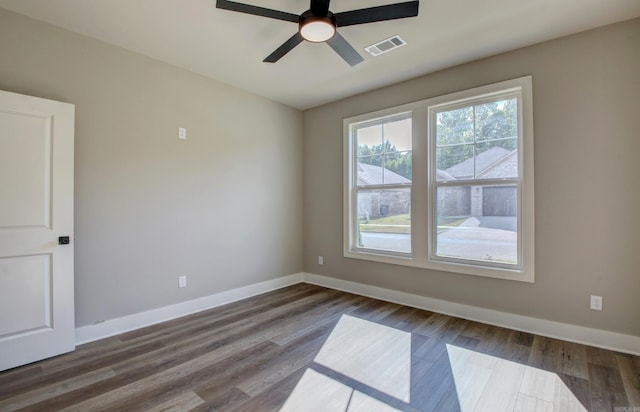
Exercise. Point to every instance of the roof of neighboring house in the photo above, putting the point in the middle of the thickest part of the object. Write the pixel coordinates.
(495, 162)
(505, 167)
(373, 175)
(442, 175)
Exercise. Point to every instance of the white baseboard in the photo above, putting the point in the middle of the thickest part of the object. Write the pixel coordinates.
(573, 333)
(90, 333)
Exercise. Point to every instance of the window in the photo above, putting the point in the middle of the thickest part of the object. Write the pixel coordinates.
(445, 183)
(382, 176)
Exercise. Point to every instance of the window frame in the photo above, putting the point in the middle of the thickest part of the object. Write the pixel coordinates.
(423, 184)
(351, 248)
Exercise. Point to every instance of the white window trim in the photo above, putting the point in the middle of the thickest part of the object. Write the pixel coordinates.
(350, 219)
(421, 190)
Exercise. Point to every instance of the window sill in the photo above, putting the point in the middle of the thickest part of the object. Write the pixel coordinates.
(525, 275)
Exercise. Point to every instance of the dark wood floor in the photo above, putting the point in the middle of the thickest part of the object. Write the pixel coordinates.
(251, 355)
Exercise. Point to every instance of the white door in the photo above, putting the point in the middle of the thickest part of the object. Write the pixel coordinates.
(36, 208)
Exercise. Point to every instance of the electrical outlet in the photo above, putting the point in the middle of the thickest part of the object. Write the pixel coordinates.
(182, 133)
(320, 260)
(182, 281)
(596, 302)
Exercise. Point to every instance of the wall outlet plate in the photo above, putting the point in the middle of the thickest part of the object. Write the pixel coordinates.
(596, 302)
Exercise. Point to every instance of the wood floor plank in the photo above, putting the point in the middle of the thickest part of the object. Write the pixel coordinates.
(244, 369)
(449, 401)
(602, 357)
(606, 388)
(573, 360)
(474, 330)
(54, 389)
(185, 401)
(252, 354)
(274, 397)
(630, 379)
(514, 349)
(402, 318)
(75, 367)
(225, 399)
(215, 318)
(191, 371)
(444, 334)
(154, 363)
(261, 316)
(380, 312)
(194, 344)
(522, 338)
(432, 325)
(15, 376)
(317, 318)
(281, 368)
(372, 307)
(493, 340)
(429, 390)
(544, 354)
(578, 388)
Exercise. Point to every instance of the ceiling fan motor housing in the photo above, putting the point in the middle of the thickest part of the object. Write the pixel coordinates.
(311, 25)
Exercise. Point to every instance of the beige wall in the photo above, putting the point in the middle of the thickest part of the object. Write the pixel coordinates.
(223, 207)
(586, 91)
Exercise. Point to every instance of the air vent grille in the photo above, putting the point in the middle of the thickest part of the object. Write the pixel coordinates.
(385, 45)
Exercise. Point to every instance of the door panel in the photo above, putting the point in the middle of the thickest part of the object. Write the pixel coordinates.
(26, 152)
(36, 207)
(25, 276)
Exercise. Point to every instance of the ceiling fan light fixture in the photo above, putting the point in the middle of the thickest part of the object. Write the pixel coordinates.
(318, 24)
(317, 29)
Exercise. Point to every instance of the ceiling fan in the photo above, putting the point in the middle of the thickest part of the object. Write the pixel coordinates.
(319, 25)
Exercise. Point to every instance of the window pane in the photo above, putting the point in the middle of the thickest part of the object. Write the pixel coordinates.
(497, 159)
(384, 219)
(397, 168)
(496, 120)
(454, 126)
(398, 134)
(367, 138)
(384, 153)
(369, 171)
(455, 162)
(477, 223)
(488, 151)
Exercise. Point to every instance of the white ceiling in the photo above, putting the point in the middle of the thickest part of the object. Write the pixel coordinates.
(229, 46)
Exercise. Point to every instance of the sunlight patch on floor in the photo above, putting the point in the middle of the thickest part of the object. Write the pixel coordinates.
(488, 383)
(317, 392)
(375, 355)
(372, 356)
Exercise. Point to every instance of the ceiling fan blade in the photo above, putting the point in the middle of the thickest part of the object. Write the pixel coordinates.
(284, 49)
(344, 49)
(319, 7)
(255, 10)
(380, 13)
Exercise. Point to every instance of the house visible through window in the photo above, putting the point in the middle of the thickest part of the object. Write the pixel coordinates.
(383, 184)
(476, 181)
(445, 183)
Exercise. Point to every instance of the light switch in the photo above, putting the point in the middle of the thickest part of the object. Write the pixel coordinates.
(182, 133)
